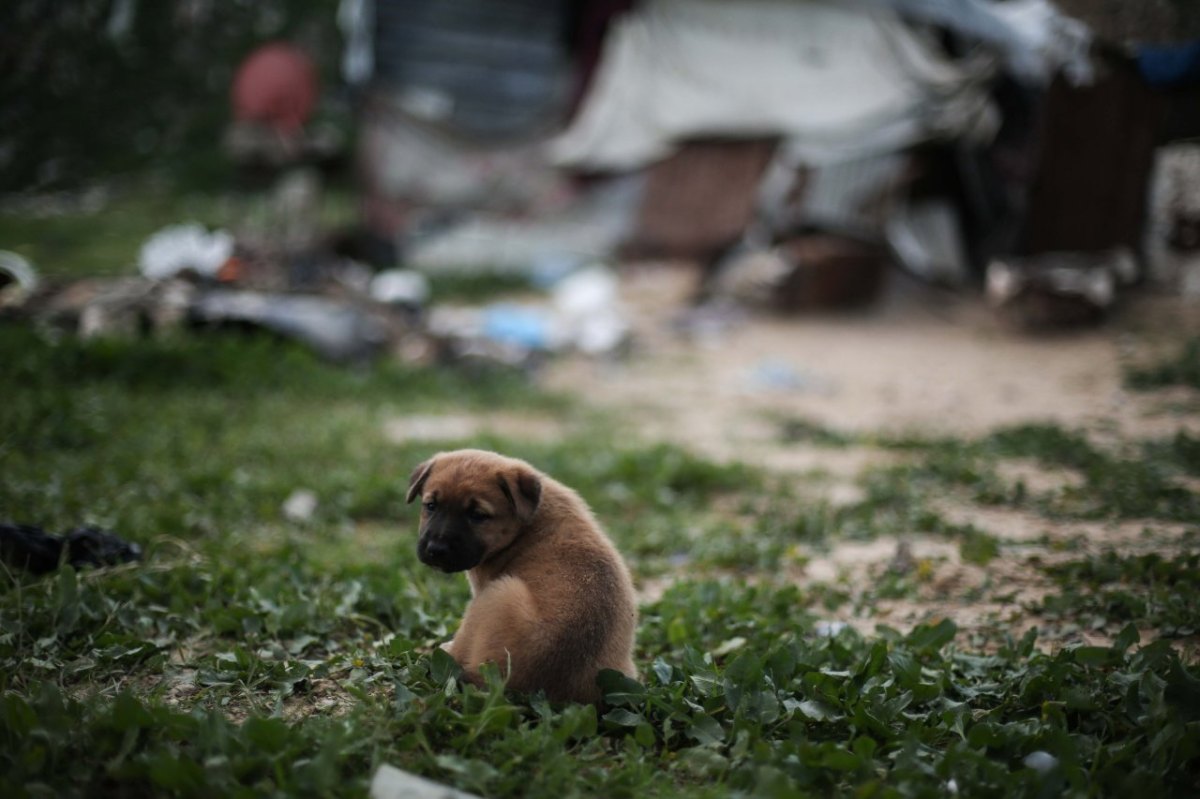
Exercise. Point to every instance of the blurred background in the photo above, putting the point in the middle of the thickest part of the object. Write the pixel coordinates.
(99, 90)
(869, 199)
(795, 152)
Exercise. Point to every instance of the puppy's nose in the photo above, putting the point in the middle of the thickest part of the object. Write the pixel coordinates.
(436, 549)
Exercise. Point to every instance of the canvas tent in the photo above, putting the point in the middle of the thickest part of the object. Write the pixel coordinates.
(835, 81)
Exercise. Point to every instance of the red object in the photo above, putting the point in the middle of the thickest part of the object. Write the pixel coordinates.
(276, 85)
(232, 270)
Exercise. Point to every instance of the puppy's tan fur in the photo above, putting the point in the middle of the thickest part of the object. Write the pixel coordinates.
(553, 602)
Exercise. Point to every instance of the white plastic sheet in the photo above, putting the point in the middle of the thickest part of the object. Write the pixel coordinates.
(834, 80)
(1034, 38)
(180, 248)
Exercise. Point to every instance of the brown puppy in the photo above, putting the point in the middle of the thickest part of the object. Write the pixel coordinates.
(552, 602)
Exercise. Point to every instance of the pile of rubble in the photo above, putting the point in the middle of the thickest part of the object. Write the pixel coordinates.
(194, 279)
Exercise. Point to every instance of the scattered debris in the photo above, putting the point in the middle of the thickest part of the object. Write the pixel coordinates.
(1040, 761)
(458, 333)
(346, 328)
(300, 505)
(403, 287)
(111, 306)
(178, 249)
(588, 309)
(528, 327)
(1173, 242)
(465, 427)
(296, 204)
(17, 278)
(1058, 290)
(25, 546)
(828, 629)
(431, 428)
(276, 85)
(926, 239)
(392, 783)
(274, 96)
(806, 272)
(584, 314)
(339, 330)
(547, 245)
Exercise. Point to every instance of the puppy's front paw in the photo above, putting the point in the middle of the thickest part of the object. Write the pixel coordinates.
(448, 646)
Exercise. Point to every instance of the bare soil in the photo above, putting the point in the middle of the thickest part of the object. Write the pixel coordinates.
(919, 361)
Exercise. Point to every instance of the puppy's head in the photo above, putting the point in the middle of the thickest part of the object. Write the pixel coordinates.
(473, 505)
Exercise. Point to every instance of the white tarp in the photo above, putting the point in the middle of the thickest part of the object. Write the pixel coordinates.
(835, 80)
(1035, 38)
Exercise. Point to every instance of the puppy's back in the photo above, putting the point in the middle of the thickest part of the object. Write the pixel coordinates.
(588, 607)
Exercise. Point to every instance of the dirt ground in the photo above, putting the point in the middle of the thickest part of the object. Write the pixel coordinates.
(920, 360)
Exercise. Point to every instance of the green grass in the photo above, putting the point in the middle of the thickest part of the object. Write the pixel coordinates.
(737, 696)
(477, 287)
(1181, 369)
(1130, 482)
(74, 242)
(1109, 590)
(202, 436)
(1117, 485)
(798, 430)
(1180, 452)
(1136, 482)
(251, 655)
(85, 244)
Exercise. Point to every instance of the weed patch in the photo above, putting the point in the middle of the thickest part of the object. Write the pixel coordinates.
(477, 286)
(1121, 485)
(1108, 591)
(1117, 486)
(797, 430)
(738, 696)
(105, 240)
(1183, 369)
(253, 654)
(1180, 452)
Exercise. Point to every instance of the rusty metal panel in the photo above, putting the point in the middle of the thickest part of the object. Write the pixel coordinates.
(701, 198)
(1095, 151)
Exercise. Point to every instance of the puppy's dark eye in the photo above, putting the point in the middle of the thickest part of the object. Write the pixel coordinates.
(430, 506)
(477, 517)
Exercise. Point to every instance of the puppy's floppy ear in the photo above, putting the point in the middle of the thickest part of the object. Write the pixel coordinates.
(523, 489)
(417, 480)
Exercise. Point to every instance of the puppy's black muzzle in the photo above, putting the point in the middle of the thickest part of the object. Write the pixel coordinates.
(449, 547)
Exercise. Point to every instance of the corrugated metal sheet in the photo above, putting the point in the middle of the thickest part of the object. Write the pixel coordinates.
(488, 69)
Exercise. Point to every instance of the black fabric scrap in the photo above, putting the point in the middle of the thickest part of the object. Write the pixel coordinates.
(25, 546)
